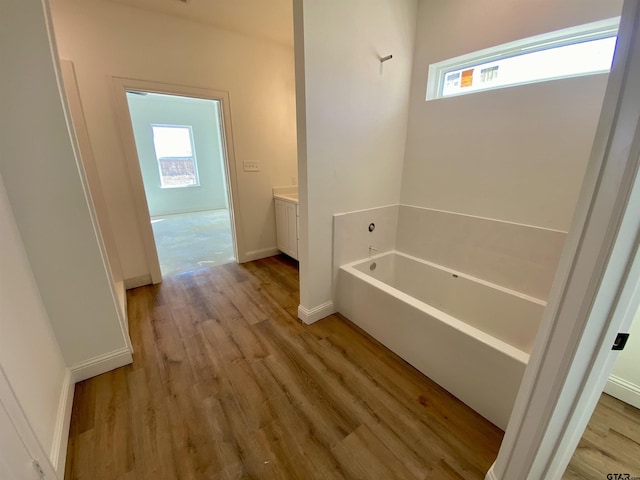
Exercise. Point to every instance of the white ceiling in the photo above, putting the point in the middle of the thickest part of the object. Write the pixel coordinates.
(268, 19)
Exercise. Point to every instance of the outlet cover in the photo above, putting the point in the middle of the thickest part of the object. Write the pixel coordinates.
(251, 166)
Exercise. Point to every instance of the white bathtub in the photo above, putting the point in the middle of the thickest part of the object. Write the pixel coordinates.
(471, 337)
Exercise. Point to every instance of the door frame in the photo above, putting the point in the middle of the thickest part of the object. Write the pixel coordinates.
(121, 86)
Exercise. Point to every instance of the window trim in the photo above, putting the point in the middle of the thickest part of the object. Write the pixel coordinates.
(193, 155)
(567, 36)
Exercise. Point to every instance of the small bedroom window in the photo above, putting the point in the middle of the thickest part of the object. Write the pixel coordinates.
(571, 52)
(175, 156)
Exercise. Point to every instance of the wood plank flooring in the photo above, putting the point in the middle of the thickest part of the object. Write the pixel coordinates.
(610, 444)
(227, 383)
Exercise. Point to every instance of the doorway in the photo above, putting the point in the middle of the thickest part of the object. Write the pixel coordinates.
(180, 157)
(611, 442)
(180, 150)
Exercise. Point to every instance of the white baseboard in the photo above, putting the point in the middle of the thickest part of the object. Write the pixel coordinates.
(252, 255)
(623, 390)
(490, 474)
(63, 421)
(135, 282)
(78, 372)
(101, 364)
(311, 315)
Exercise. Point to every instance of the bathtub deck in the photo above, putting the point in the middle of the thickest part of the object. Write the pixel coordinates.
(226, 383)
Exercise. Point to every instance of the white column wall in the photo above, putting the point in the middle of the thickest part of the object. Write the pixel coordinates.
(352, 120)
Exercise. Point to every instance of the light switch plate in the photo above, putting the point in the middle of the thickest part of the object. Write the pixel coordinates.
(251, 166)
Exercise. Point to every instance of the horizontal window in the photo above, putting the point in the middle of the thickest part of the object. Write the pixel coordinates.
(576, 51)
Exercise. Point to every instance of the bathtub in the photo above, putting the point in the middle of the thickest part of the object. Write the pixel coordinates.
(470, 336)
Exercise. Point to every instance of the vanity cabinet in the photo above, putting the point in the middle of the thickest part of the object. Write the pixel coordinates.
(287, 226)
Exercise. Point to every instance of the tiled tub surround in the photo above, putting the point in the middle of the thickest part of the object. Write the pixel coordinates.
(352, 238)
(458, 297)
(519, 257)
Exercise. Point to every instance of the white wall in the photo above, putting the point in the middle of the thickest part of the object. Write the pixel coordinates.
(203, 117)
(88, 162)
(352, 117)
(29, 352)
(106, 39)
(43, 182)
(516, 154)
(58, 313)
(624, 382)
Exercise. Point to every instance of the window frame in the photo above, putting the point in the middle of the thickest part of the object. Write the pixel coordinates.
(193, 155)
(568, 36)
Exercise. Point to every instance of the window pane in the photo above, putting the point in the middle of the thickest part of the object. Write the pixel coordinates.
(570, 52)
(565, 61)
(174, 152)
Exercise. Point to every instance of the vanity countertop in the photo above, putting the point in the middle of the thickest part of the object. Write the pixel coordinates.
(289, 197)
(288, 194)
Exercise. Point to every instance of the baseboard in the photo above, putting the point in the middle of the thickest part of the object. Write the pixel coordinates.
(101, 364)
(81, 371)
(490, 474)
(623, 390)
(252, 255)
(63, 421)
(136, 282)
(311, 315)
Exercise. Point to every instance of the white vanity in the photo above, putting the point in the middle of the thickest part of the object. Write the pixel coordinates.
(287, 219)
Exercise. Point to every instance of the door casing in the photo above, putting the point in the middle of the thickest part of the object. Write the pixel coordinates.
(121, 86)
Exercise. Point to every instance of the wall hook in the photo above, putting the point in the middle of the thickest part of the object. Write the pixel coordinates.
(384, 59)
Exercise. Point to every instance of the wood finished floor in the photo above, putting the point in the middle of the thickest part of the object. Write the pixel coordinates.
(610, 444)
(227, 383)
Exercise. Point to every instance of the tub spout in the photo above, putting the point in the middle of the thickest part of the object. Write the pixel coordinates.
(372, 249)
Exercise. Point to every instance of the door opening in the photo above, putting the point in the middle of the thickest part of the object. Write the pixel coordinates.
(181, 152)
(609, 444)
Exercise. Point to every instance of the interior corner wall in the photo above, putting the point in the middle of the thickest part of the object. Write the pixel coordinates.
(203, 116)
(515, 154)
(355, 121)
(109, 39)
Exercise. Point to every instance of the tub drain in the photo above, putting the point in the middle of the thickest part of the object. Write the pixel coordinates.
(372, 266)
